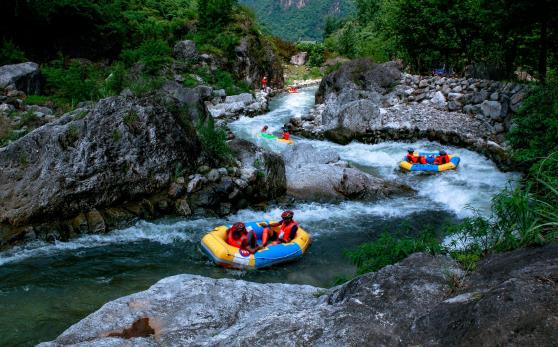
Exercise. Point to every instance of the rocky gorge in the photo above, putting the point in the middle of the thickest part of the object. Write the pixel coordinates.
(376, 102)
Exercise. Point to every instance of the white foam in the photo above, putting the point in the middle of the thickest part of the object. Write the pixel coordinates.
(141, 231)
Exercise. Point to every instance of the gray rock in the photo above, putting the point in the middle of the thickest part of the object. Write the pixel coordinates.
(25, 77)
(245, 98)
(311, 176)
(499, 128)
(457, 89)
(299, 59)
(301, 154)
(479, 97)
(124, 148)
(42, 109)
(423, 83)
(220, 93)
(176, 190)
(439, 101)
(213, 175)
(454, 105)
(494, 96)
(491, 109)
(95, 222)
(6, 108)
(182, 208)
(186, 50)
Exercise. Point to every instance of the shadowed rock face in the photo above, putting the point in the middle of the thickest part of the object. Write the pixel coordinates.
(119, 149)
(509, 301)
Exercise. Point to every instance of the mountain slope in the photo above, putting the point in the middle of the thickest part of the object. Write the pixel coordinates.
(298, 19)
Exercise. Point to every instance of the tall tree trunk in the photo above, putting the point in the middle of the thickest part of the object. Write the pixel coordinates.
(543, 50)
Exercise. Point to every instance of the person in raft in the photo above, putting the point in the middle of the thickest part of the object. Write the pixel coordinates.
(264, 83)
(286, 135)
(239, 237)
(264, 129)
(286, 233)
(413, 159)
(442, 158)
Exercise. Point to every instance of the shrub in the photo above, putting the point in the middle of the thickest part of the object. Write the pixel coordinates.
(77, 82)
(153, 54)
(214, 141)
(534, 133)
(389, 249)
(10, 54)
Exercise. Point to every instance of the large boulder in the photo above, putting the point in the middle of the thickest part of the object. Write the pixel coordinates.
(120, 148)
(299, 58)
(422, 301)
(25, 77)
(256, 58)
(316, 174)
(360, 74)
(264, 170)
(186, 51)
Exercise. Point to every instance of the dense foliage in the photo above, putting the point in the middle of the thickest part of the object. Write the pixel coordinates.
(292, 22)
(496, 36)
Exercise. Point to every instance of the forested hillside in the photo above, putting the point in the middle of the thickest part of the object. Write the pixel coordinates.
(498, 36)
(296, 20)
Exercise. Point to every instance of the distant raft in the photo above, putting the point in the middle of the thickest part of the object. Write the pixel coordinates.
(273, 137)
(215, 246)
(430, 166)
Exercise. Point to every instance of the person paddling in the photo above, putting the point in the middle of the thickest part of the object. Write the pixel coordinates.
(264, 129)
(286, 135)
(442, 158)
(239, 237)
(286, 232)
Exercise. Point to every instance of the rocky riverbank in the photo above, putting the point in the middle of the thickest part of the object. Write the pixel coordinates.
(123, 158)
(373, 103)
(424, 300)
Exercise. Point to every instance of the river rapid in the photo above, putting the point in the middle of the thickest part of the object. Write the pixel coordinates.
(44, 288)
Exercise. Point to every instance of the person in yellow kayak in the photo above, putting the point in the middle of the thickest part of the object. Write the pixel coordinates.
(286, 232)
(285, 134)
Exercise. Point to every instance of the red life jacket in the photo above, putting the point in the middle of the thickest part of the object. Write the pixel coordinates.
(285, 231)
(286, 135)
(411, 158)
(421, 159)
(442, 159)
(238, 243)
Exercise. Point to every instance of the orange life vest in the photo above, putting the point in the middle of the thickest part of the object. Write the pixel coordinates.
(286, 135)
(236, 242)
(442, 159)
(285, 231)
(411, 158)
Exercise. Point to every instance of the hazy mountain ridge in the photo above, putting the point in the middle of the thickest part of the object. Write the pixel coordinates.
(298, 19)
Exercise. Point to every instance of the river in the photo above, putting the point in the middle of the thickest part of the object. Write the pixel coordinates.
(44, 288)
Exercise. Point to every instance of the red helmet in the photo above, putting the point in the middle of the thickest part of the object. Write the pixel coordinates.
(287, 215)
(239, 226)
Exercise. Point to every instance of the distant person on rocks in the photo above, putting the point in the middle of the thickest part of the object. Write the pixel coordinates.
(442, 158)
(286, 232)
(238, 236)
(264, 83)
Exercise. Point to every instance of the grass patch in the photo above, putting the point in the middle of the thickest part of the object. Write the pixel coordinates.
(214, 141)
(389, 249)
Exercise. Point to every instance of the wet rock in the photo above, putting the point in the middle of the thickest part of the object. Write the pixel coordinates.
(313, 175)
(95, 222)
(492, 109)
(299, 59)
(213, 175)
(186, 50)
(92, 167)
(182, 208)
(176, 190)
(439, 101)
(196, 183)
(25, 77)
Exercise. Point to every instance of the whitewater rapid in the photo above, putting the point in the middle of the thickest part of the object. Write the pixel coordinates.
(462, 193)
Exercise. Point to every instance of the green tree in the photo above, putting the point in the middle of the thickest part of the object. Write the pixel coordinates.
(215, 13)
